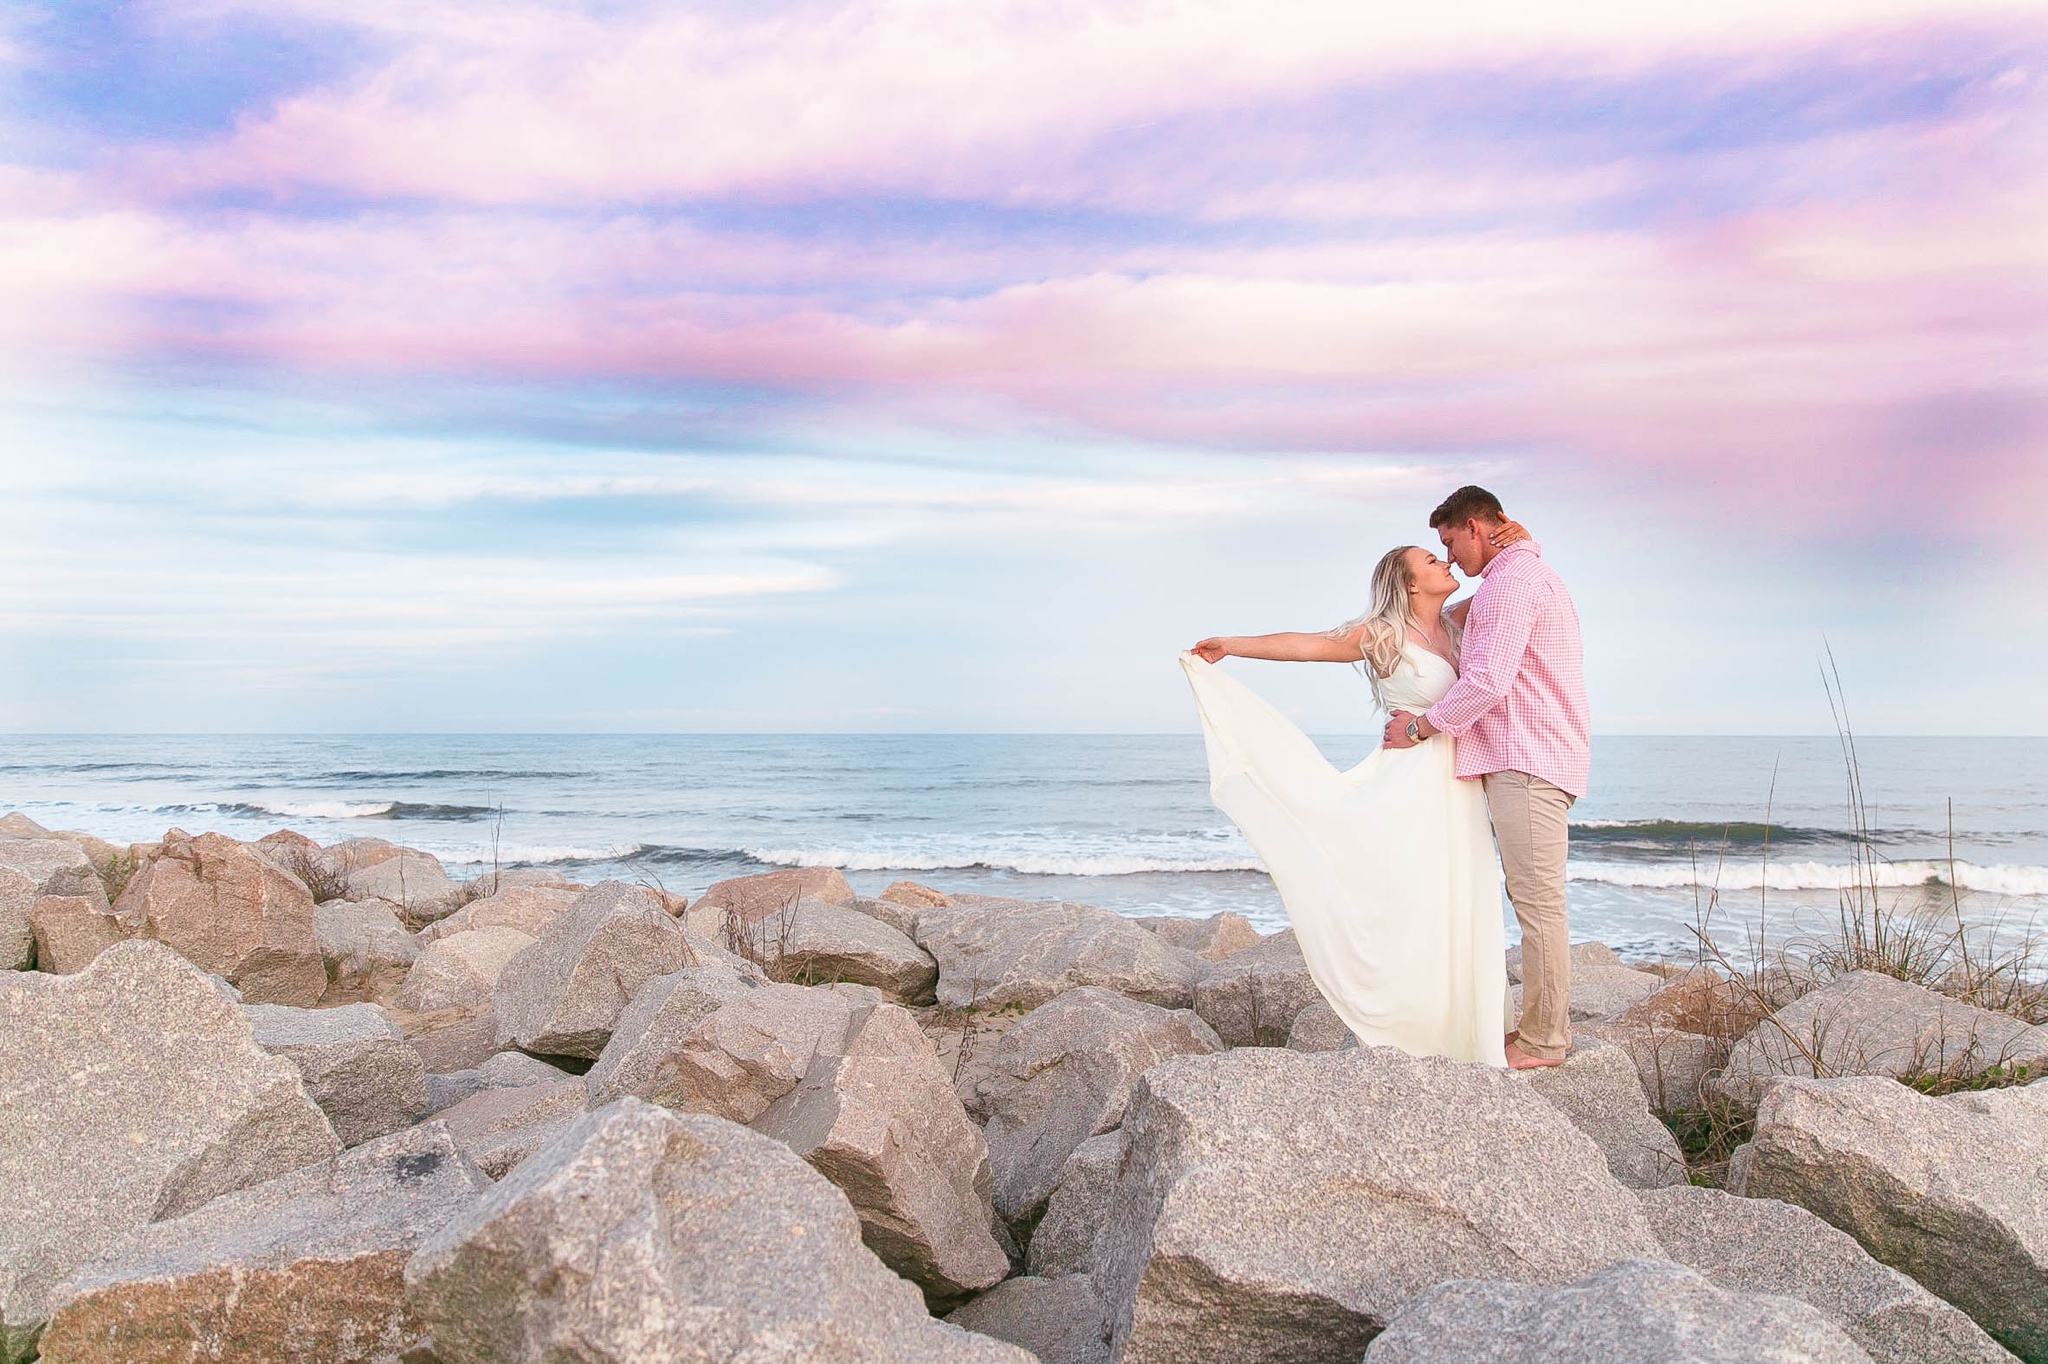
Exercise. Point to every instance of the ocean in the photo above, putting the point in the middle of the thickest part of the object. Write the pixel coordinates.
(1118, 821)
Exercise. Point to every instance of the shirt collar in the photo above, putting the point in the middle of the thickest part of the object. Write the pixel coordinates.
(1520, 546)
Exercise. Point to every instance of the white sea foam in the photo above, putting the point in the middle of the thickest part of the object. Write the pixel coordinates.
(520, 854)
(330, 809)
(2003, 879)
(1024, 863)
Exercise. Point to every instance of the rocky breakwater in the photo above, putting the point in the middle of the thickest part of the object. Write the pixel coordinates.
(521, 1120)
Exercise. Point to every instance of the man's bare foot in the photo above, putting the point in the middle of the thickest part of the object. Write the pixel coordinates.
(1522, 1060)
(1509, 1040)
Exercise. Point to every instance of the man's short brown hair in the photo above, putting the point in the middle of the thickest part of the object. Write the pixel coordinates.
(1465, 504)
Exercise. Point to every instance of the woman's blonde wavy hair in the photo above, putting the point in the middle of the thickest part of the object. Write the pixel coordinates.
(1386, 624)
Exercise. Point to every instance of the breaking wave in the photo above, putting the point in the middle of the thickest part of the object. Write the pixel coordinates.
(368, 809)
(2003, 879)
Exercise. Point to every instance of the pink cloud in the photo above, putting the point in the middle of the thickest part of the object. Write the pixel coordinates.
(1777, 341)
(1880, 288)
(547, 103)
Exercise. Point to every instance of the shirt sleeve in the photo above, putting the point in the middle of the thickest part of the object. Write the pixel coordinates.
(1496, 636)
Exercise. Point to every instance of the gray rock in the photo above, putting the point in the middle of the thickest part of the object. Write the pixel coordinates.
(514, 1069)
(354, 1063)
(1604, 991)
(308, 1268)
(497, 1128)
(749, 915)
(1211, 939)
(911, 895)
(460, 971)
(1058, 1320)
(1759, 1245)
(2004, 1103)
(641, 1234)
(1600, 992)
(31, 868)
(1597, 1089)
(1672, 1066)
(293, 851)
(992, 955)
(1950, 1191)
(54, 865)
(1700, 1000)
(1318, 1028)
(915, 895)
(364, 948)
(536, 878)
(17, 934)
(1064, 1240)
(966, 1040)
(755, 897)
(450, 1039)
(410, 880)
(1064, 1074)
(1582, 954)
(15, 824)
(709, 1040)
(1634, 1312)
(134, 1091)
(506, 1070)
(563, 995)
(1251, 998)
(877, 1116)
(1785, 981)
(1870, 1024)
(70, 930)
(828, 942)
(227, 909)
(349, 854)
(112, 861)
(901, 917)
(528, 909)
(1283, 1205)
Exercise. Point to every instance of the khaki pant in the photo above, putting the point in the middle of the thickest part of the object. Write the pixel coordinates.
(1529, 825)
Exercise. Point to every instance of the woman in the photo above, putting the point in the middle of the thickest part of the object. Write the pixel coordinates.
(1388, 871)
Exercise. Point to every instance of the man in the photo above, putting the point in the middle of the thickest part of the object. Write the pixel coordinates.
(1518, 714)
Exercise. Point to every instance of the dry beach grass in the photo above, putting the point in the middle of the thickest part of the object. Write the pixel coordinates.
(1919, 935)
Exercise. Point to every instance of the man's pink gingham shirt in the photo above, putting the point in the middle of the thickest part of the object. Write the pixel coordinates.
(1519, 704)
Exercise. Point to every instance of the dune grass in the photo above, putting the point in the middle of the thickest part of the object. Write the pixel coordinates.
(321, 872)
(1920, 935)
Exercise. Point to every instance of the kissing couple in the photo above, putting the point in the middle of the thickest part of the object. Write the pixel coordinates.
(1391, 871)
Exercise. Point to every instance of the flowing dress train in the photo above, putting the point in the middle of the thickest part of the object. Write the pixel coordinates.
(1388, 871)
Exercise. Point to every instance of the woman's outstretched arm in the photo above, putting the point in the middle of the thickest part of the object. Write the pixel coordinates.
(1289, 646)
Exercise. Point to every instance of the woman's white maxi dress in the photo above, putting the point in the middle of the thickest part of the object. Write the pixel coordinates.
(1388, 871)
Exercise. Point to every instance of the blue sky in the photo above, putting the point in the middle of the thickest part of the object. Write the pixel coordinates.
(821, 367)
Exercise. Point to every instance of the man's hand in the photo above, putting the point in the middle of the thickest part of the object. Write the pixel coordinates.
(1212, 649)
(1397, 731)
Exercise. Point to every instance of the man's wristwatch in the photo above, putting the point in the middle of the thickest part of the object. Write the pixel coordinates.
(1414, 730)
